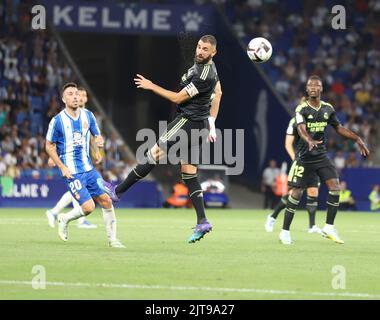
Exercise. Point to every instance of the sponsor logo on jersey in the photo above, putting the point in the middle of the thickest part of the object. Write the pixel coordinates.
(77, 138)
(316, 126)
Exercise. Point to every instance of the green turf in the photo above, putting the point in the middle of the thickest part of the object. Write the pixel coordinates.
(238, 254)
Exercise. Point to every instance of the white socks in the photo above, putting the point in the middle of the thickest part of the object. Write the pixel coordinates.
(77, 205)
(110, 222)
(74, 214)
(66, 199)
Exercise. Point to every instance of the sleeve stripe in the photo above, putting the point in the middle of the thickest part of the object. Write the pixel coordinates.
(49, 134)
(290, 131)
(191, 89)
(96, 123)
(205, 71)
(299, 118)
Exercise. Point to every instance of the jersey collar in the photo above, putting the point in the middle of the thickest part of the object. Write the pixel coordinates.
(317, 109)
(75, 119)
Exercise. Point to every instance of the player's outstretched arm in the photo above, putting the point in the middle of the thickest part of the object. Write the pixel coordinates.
(52, 152)
(351, 135)
(289, 139)
(305, 136)
(175, 97)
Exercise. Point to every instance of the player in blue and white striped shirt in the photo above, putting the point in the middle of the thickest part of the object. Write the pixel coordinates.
(68, 145)
(67, 198)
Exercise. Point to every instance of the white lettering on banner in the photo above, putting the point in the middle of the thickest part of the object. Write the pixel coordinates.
(110, 17)
(25, 191)
(106, 22)
(32, 190)
(134, 21)
(85, 16)
(44, 189)
(160, 19)
(62, 14)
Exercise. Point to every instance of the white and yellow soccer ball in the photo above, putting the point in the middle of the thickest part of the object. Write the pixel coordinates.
(259, 50)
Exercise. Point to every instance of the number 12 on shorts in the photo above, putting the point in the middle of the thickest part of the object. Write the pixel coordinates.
(296, 171)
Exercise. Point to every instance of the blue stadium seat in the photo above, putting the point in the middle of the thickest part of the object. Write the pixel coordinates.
(36, 104)
(36, 120)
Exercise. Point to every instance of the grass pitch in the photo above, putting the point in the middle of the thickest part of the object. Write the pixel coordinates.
(237, 260)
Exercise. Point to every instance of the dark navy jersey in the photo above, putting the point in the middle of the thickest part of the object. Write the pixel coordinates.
(199, 82)
(316, 121)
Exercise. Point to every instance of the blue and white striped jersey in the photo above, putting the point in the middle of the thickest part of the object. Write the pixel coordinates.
(72, 138)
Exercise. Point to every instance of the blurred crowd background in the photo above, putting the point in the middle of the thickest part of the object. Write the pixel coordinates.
(32, 70)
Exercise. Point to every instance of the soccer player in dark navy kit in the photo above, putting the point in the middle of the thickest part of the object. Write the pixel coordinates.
(312, 118)
(197, 108)
(291, 140)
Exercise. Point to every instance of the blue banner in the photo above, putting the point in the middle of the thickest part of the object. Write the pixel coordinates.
(131, 18)
(41, 193)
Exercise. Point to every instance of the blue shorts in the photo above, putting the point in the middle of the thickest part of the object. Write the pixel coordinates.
(84, 186)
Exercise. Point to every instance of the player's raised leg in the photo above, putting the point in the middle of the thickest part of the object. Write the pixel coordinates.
(139, 172)
(62, 203)
(83, 223)
(64, 219)
(328, 231)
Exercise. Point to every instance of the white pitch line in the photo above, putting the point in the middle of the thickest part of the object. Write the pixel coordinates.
(185, 288)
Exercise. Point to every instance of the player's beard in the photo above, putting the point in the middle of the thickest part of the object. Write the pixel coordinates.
(314, 96)
(74, 106)
(202, 60)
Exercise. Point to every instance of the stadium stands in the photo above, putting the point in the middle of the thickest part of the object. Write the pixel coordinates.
(32, 71)
(347, 60)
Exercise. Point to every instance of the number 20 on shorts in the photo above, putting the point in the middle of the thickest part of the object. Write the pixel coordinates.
(75, 186)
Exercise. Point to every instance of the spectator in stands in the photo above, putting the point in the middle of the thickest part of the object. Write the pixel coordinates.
(7, 145)
(374, 198)
(352, 161)
(4, 111)
(179, 197)
(339, 161)
(268, 183)
(3, 166)
(350, 61)
(346, 201)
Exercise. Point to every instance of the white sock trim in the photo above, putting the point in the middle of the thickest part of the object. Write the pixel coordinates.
(74, 214)
(110, 223)
(62, 203)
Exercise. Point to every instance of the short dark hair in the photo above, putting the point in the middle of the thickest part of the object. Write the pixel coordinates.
(209, 38)
(81, 89)
(314, 77)
(68, 85)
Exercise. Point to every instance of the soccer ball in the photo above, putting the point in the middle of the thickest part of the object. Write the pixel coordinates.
(259, 50)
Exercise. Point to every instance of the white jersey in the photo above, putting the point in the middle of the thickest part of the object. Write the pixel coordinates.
(72, 138)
